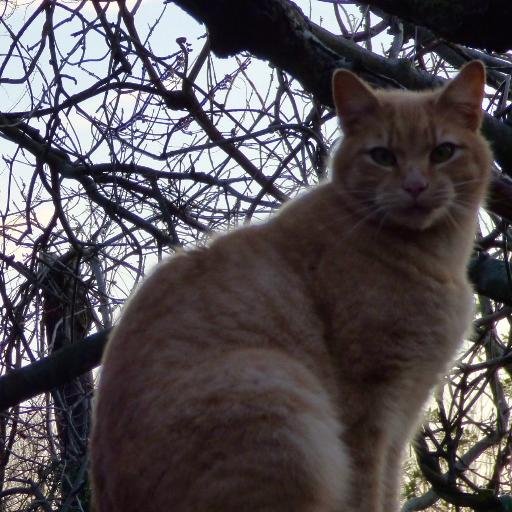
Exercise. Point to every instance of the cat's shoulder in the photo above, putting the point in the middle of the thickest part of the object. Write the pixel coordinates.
(245, 247)
(221, 249)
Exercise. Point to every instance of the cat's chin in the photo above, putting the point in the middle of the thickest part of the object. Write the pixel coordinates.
(416, 217)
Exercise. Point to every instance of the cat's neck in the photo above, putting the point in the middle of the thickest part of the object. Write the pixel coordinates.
(324, 221)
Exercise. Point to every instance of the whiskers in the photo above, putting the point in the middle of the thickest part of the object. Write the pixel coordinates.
(367, 212)
(453, 202)
(452, 220)
(463, 207)
(370, 212)
(460, 184)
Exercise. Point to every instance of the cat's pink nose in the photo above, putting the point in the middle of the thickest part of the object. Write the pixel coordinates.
(414, 187)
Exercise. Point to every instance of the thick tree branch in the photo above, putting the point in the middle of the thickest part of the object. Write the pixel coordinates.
(278, 31)
(274, 30)
(489, 276)
(50, 372)
(492, 278)
(477, 23)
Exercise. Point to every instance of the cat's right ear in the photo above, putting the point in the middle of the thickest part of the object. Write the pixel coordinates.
(353, 99)
(464, 94)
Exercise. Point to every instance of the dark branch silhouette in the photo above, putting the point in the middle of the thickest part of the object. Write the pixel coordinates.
(120, 149)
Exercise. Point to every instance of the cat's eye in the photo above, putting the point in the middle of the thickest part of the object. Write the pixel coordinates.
(383, 156)
(442, 153)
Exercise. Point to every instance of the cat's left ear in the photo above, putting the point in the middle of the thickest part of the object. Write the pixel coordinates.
(464, 94)
(352, 98)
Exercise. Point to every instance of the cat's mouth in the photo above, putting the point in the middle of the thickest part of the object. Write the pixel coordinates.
(417, 210)
(416, 215)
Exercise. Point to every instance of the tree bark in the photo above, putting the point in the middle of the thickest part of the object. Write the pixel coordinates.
(279, 32)
(481, 24)
(67, 317)
(52, 371)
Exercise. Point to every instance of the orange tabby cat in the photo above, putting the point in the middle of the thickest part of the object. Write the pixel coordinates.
(284, 367)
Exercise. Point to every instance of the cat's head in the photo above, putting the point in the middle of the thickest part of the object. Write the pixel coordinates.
(412, 158)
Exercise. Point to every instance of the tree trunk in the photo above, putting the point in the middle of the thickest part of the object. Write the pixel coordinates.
(67, 318)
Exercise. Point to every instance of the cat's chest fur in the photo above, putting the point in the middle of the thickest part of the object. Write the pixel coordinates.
(391, 307)
(393, 319)
(403, 312)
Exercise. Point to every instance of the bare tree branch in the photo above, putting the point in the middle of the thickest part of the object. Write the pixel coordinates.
(475, 23)
(52, 371)
(280, 33)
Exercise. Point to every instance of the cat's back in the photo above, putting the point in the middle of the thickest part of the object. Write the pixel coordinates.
(209, 330)
(222, 291)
